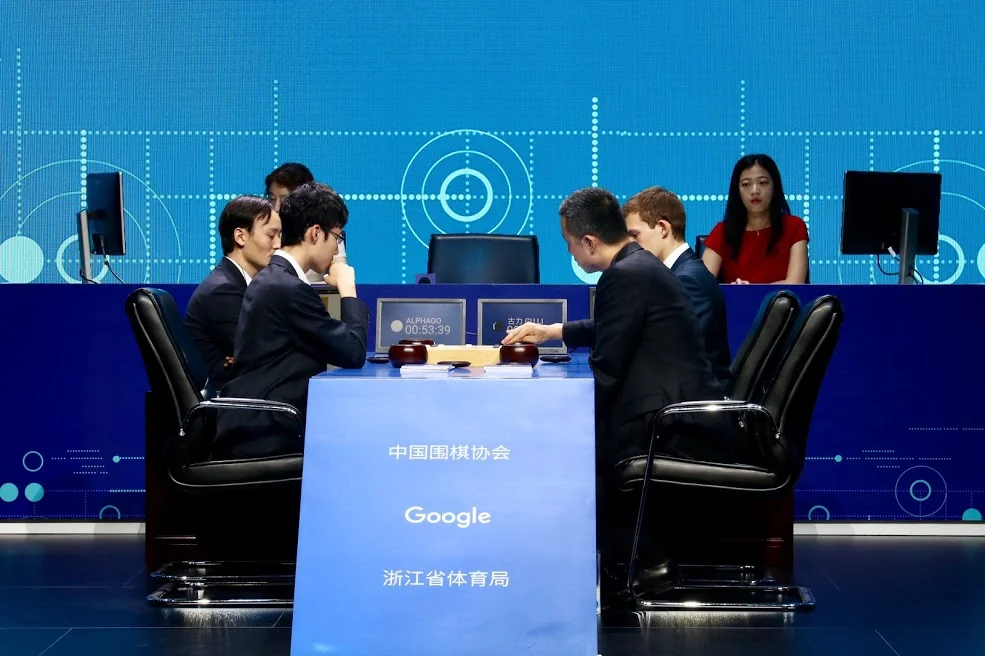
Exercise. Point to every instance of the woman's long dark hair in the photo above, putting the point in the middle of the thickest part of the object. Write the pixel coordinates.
(736, 215)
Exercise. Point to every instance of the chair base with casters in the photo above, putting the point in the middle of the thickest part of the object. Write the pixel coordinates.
(712, 575)
(733, 587)
(178, 594)
(731, 596)
(234, 571)
(749, 586)
(224, 584)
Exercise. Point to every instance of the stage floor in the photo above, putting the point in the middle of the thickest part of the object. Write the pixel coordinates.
(83, 596)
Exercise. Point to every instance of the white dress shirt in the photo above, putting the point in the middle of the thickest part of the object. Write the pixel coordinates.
(246, 276)
(676, 254)
(294, 263)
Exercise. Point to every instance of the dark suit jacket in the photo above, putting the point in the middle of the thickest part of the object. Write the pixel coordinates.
(647, 354)
(212, 315)
(709, 307)
(285, 336)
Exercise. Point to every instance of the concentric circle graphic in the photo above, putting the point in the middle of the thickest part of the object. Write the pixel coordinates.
(958, 207)
(35, 458)
(587, 278)
(815, 518)
(103, 514)
(921, 491)
(465, 181)
(959, 258)
(443, 195)
(45, 233)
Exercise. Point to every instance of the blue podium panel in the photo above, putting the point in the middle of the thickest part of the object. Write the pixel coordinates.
(498, 316)
(451, 515)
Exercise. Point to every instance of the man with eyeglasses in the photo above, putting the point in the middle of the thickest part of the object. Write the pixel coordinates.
(285, 335)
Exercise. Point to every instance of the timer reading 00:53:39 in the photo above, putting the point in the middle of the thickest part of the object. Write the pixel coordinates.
(426, 329)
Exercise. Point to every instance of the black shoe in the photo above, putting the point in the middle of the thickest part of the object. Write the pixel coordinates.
(658, 577)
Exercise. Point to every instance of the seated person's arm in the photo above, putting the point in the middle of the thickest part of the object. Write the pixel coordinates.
(339, 343)
(222, 311)
(712, 260)
(578, 333)
(574, 333)
(700, 301)
(711, 255)
(797, 265)
(618, 324)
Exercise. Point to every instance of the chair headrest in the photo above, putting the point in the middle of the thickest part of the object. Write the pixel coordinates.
(491, 259)
(794, 391)
(757, 358)
(165, 344)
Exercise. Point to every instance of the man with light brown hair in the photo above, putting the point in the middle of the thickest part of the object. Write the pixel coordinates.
(656, 220)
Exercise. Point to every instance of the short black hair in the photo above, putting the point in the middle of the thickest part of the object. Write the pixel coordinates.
(312, 204)
(290, 176)
(241, 212)
(594, 211)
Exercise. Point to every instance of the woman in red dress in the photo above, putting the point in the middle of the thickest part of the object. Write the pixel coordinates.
(758, 241)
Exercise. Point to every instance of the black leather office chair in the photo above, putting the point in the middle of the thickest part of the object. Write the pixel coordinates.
(491, 259)
(224, 495)
(764, 345)
(786, 411)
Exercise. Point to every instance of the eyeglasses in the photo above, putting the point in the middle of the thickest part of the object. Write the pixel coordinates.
(340, 236)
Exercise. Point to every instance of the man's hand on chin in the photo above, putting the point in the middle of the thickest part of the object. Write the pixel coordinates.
(343, 277)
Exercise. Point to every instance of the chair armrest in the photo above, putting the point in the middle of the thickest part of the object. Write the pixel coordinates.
(711, 407)
(232, 403)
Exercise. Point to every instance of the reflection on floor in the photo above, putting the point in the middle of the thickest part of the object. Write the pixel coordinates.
(881, 596)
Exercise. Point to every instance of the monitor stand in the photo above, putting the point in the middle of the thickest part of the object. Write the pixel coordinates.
(909, 220)
(85, 250)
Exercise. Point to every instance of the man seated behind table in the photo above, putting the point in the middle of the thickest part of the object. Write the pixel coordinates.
(285, 335)
(249, 231)
(283, 180)
(646, 354)
(656, 220)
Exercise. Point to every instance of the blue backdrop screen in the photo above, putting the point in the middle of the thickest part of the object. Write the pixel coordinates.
(475, 117)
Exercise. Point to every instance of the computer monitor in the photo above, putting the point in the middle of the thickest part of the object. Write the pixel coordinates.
(898, 211)
(102, 224)
(104, 209)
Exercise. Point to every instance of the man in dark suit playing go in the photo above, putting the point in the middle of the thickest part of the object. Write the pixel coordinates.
(249, 231)
(285, 334)
(646, 354)
(656, 220)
